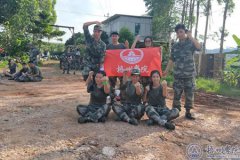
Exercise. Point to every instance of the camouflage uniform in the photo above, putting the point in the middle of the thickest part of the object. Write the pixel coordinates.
(95, 53)
(157, 110)
(34, 75)
(132, 106)
(97, 110)
(184, 72)
(33, 55)
(66, 62)
(20, 73)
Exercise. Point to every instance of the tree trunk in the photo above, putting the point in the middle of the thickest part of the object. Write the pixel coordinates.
(183, 11)
(196, 28)
(206, 27)
(191, 16)
(186, 12)
(223, 30)
(190, 13)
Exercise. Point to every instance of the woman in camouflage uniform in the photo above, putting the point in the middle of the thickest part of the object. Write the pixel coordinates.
(131, 109)
(156, 108)
(99, 89)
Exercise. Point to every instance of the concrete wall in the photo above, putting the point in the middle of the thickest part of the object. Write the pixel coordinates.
(129, 22)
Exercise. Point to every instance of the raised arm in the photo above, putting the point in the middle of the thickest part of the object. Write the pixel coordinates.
(195, 42)
(137, 38)
(90, 77)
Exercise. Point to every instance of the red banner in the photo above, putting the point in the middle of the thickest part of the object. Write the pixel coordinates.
(146, 59)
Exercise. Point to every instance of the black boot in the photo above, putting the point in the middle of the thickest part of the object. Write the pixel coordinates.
(82, 120)
(150, 122)
(133, 121)
(189, 116)
(169, 126)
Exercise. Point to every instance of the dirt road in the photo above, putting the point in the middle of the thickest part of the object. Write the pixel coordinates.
(39, 121)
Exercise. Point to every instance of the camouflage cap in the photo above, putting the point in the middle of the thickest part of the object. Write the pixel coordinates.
(135, 71)
(97, 27)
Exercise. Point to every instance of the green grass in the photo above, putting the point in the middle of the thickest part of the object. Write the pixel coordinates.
(214, 86)
(3, 64)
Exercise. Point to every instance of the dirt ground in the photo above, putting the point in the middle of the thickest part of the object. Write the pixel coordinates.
(39, 121)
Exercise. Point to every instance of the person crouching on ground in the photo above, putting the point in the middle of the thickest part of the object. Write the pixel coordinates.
(99, 88)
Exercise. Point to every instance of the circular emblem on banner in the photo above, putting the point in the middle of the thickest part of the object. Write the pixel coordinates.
(194, 151)
(132, 56)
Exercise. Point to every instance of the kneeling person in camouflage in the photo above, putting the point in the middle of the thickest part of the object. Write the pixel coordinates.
(99, 89)
(156, 109)
(131, 110)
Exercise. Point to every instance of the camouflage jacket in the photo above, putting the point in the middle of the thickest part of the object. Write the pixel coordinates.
(95, 51)
(182, 54)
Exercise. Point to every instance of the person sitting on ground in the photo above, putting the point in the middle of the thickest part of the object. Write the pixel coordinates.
(34, 74)
(156, 109)
(97, 110)
(131, 110)
(12, 66)
(24, 70)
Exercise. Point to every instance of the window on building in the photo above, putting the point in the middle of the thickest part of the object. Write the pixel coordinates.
(137, 28)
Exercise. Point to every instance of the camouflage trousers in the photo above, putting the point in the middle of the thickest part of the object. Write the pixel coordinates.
(29, 78)
(94, 112)
(188, 86)
(127, 111)
(161, 115)
(66, 66)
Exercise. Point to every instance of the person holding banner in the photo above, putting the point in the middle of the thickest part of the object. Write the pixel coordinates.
(95, 49)
(116, 45)
(156, 109)
(99, 89)
(131, 110)
(148, 43)
(182, 56)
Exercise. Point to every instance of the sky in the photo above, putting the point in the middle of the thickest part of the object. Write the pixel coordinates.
(76, 12)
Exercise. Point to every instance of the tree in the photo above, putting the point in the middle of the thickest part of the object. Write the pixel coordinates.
(229, 5)
(105, 37)
(8, 8)
(208, 10)
(31, 23)
(165, 16)
(78, 38)
(125, 34)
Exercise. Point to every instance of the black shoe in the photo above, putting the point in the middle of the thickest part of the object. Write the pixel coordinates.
(103, 119)
(10, 78)
(82, 120)
(68, 73)
(63, 72)
(150, 122)
(169, 126)
(189, 116)
(133, 121)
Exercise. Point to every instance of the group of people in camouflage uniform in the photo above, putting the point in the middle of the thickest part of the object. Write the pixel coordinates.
(131, 100)
(25, 74)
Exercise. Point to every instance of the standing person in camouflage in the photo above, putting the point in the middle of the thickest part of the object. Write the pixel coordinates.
(34, 74)
(182, 56)
(99, 89)
(131, 110)
(116, 45)
(95, 49)
(156, 109)
(33, 53)
(66, 61)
